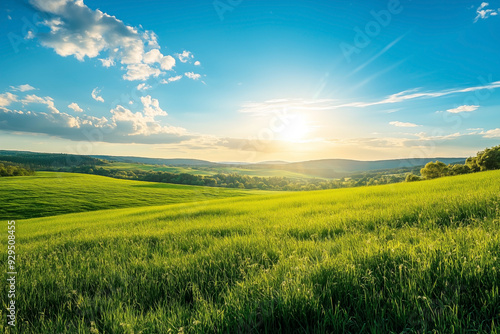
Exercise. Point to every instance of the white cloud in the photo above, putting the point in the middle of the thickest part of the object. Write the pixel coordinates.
(7, 98)
(494, 133)
(22, 88)
(48, 101)
(29, 35)
(483, 13)
(403, 124)
(140, 72)
(192, 75)
(107, 62)
(197, 63)
(331, 104)
(143, 86)
(135, 124)
(185, 56)
(152, 107)
(95, 94)
(76, 30)
(464, 108)
(75, 107)
(171, 79)
(167, 63)
(155, 56)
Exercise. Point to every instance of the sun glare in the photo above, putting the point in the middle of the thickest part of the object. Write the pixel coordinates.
(295, 130)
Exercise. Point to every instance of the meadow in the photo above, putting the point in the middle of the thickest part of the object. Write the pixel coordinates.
(420, 257)
(50, 194)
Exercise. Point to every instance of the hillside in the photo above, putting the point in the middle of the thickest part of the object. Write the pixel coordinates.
(401, 258)
(50, 194)
(157, 161)
(332, 168)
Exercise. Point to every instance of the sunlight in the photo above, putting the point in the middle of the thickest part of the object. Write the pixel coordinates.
(295, 130)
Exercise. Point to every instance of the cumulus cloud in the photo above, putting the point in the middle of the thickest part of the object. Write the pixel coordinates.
(155, 56)
(403, 124)
(197, 63)
(122, 126)
(95, 94)
(185, 56)
(192, 75)
(171, 79)
(47, 100)
(151, 107)
(140, 72)
(76, 30)
(143, 86)
(464, 108)
(107, 62)
(7, 98)
(75, 107)
(22, 88)
(483, 13)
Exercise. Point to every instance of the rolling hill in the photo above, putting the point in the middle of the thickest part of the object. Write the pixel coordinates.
(50, 194)
(157, 161)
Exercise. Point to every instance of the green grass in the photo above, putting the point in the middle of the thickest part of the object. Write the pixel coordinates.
(419, 257)
(49, 194)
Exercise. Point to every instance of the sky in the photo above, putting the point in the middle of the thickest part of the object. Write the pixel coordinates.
(240, 80)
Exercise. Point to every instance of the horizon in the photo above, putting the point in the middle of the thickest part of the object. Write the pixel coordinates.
(250, 82)
(235, 162)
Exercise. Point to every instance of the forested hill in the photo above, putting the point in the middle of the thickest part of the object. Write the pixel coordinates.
(36, 160)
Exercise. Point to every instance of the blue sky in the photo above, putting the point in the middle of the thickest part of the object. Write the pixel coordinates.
(250, 81)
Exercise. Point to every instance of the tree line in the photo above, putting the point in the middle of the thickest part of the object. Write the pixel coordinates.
(234, 180)
(489, 159)
(8, 169)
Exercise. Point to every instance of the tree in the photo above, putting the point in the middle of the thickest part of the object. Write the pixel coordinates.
(412, 178)
(459, 169)
(434, 170)
(472, 164)
(489, 159)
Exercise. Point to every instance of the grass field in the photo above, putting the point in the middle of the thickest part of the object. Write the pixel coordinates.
(50, 194)
(418, 257)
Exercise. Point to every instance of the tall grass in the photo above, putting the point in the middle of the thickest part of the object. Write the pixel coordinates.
(405, 258)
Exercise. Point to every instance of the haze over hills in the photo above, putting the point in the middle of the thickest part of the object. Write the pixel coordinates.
(157, 161)
(324, 168)
(341, 167)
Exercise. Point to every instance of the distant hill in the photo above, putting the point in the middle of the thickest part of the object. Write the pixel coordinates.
(36, 160)
(157, 161)
(326, 168)
(342, 167)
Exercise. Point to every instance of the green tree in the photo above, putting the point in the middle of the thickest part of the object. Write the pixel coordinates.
(434, 170)
(459, 169)
(489, 159)
(412, 178)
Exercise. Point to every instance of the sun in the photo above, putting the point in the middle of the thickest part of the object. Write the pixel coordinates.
(295, 129)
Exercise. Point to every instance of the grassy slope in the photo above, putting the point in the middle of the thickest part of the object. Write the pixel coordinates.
(398, 258)
(49, 194)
